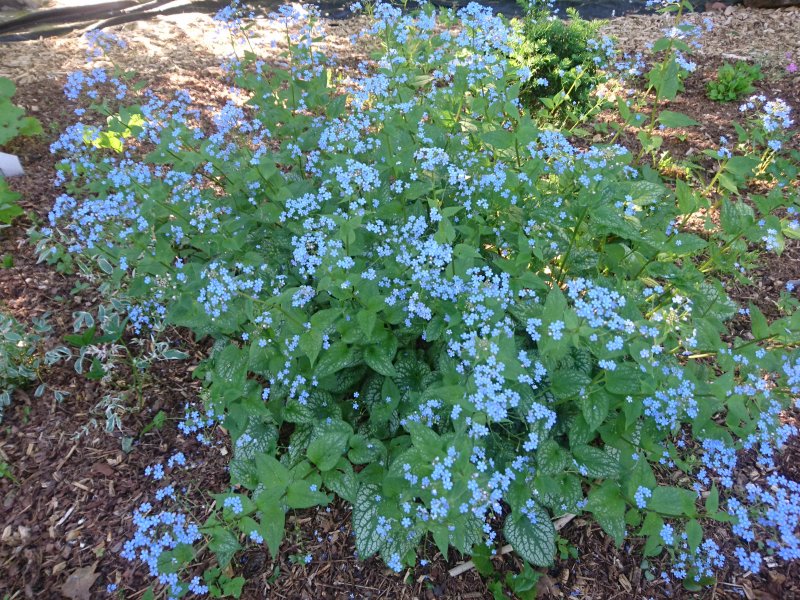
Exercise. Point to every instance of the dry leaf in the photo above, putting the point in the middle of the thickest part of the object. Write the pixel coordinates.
(79, 582)
(103, 469)
(547, 587)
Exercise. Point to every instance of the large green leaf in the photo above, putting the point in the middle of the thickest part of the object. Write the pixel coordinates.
(561, 493)
(532, 537)
(339, 356)
(624, 380)
(318, 406)
(594, 407)
(669, 118)
(569, 383)
(608, 507)
(258, 438)
(302, 494)
(272, 525)
(342, 481)
(365, 521)
(326, 448)
(674, 501)
(223, 544)
(230, 366)
(272, 474)
(379, 357)
(735, 217)
(598, 463)
(413, 374)
(551, 458)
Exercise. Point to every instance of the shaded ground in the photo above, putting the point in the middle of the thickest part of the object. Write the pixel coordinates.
(70, 509)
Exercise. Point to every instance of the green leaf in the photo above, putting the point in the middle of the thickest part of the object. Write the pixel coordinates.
(7, 88)
(561, 492)
(741, 167)
(555, 308)
(233, 587)
(735, 217)
(273, 521)
(712, 502)
(339, 356)
(673, 501)
(223, 544)
(608, 507)
(319, 406)
(694, 534)
(9, 209)
(272, 474)
(598, 463)
(624, 380)
(311, 343)
(568, 383)
(257, 438)
(30, 126)
(365, 521)
(424, 438)
(84, 339)
(379, 357)
(342, 481)
(670, 118)
(365, 450)
(641, 475)
(551, 458)
(230, 366)
(533, 539)
(594, 407)
(301, 495)
(413, 374)
(366, 321)
(326, 449)
(758, 323)
(667, 81)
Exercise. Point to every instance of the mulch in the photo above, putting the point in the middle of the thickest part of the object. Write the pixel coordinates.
(64, 518)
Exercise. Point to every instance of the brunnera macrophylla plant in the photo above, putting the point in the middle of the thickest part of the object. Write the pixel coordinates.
(463, 321)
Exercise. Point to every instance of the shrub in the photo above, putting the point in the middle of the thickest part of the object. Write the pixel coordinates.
(564, 57)
(456, 319)
(13, 123)
(733, 81)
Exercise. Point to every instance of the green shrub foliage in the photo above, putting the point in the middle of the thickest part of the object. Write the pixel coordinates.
(565, 58)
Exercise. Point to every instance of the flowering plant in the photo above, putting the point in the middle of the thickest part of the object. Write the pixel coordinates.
(459, 320)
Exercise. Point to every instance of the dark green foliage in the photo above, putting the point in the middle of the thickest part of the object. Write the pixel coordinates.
(560, 52)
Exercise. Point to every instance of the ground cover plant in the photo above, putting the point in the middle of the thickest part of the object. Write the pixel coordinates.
(734, 81)
(460, 318)
(20, 356)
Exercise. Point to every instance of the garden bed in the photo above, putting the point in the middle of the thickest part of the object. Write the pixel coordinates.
(66, 516)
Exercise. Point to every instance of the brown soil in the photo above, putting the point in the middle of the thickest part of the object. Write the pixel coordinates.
(69, 509)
